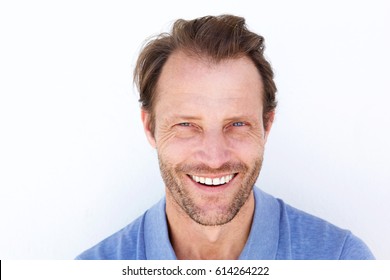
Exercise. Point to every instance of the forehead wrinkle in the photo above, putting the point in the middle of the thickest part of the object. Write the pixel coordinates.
(199, 107)
(202, 98)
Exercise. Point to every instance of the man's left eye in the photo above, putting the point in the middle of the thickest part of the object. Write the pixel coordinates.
(185, 124)
(238, 124)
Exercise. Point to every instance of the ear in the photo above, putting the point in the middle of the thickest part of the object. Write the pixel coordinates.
(268, 121)
(146, 121)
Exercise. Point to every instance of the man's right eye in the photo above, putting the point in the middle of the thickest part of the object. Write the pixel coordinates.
(184, 124)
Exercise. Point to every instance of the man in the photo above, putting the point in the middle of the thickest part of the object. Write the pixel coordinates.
(208, 104)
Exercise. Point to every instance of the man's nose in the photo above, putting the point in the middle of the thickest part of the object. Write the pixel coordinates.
(214, 150)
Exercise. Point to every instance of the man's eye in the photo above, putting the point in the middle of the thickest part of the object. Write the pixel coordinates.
(238, 124)
(184, 124)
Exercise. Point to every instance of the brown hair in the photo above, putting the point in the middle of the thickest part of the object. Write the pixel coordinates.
(214, 37)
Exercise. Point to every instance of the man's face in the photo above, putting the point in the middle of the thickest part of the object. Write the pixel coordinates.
(209, 134)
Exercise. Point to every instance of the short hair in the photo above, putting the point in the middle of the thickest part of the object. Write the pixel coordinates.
(214, 37)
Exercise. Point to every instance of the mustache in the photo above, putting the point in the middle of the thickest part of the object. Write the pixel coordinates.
(228, 167)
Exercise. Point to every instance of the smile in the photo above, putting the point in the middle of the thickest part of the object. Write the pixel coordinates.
(212, 181)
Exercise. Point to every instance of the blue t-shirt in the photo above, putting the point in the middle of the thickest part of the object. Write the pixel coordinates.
(278, 231)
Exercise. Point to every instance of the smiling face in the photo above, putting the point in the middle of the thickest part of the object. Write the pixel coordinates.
(209, 134)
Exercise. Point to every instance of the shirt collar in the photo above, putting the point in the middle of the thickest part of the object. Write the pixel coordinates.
(262, 242)
(157, 243)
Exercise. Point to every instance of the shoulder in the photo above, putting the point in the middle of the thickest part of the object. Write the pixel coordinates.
(314, 238)
(124, 244)
(355, 249)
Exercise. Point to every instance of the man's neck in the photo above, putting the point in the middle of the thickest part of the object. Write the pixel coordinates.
(191, 240)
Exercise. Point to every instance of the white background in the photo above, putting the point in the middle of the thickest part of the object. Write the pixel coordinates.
(74, 163)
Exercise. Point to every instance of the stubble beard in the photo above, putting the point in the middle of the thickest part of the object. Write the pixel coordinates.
(172, 177)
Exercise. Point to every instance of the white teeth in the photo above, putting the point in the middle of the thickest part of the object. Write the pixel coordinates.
(213, 181)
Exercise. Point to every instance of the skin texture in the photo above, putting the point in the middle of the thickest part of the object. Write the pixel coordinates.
(208, 124)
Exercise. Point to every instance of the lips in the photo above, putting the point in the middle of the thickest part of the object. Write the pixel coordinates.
(216, 181)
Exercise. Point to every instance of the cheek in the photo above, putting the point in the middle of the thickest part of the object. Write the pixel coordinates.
(248, 151)
(253, 133)
(247, 148)
(175, 150)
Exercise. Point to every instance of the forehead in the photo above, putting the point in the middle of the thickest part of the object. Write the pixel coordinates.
(187, 80)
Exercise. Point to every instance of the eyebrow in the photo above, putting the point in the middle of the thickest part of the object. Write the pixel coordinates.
(240, 117)
(195, 118)
(185, 117)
